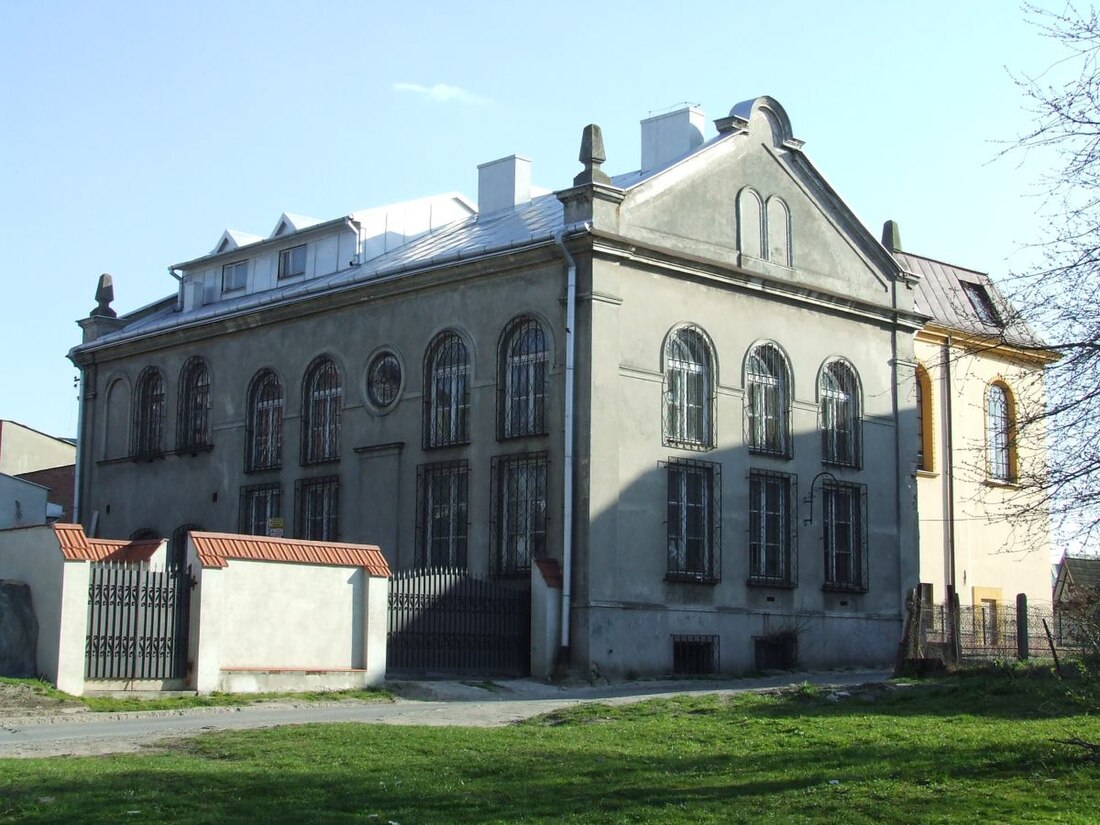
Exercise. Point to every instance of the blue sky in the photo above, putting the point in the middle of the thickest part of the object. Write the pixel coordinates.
(135, 133)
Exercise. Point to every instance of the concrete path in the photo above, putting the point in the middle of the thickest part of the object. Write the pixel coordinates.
(478, 704)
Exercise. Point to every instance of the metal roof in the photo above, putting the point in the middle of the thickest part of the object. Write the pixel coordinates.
(940, 294)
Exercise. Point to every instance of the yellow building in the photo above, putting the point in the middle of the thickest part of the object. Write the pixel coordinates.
(979, 372)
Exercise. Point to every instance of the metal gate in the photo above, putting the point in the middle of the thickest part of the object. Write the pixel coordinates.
(137, 622)
(450, 621)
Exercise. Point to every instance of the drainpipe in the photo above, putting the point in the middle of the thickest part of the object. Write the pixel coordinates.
(567, 468)
(80, 445)
(356, 227)
(179, 291)
(949, 459)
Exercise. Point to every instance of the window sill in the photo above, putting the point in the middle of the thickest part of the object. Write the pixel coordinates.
(927, 474)
(319, 461)
(518, 436)
(780, 584)
(464, 443)
(691, 578)
(781, 455)
(840, 587)
(842, 465)
(1003, 484)
(269, 469)
(694, 446)
(194, 451)
(140, 458)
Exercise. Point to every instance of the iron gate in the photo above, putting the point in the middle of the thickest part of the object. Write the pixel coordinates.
(137, 622)
(448, 620)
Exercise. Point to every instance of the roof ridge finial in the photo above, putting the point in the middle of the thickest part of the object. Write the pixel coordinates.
(104, 294)
(592, 155)
(891, 236)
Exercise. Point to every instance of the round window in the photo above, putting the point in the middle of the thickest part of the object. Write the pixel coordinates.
(383, 379)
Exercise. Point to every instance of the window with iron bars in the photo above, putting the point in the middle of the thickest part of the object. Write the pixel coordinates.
(441, 506)
(840, 419)
(322, 398)
(149, 414)
(689, 391)
(318, 504)
(265, 422)
(519, 512)
(694, 520)
(773, 529)
(845, 522)
(446, 392)
(695, 655)
(521, 385)
(260, 504)
(767, 402)
(193, 426)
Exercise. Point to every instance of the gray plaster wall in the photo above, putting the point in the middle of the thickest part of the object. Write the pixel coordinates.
(379, 453)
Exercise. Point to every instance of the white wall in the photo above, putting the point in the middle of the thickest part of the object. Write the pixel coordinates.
(22, 503)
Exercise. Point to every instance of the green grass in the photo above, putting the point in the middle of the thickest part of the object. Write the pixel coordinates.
(952, 750)
(109, 704)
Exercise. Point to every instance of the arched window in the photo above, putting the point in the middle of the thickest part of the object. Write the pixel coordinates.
(177, 545)
(264, 448)
(322, 395)
(1000, 433)
(522, 380)
(116, 422)
(923, 386)
(193, 430)
(144, 534)
(149, 414)
(689, 390)
(750, 224)
(778, 226)
(767, 401)
(446, 393)
(840, 411)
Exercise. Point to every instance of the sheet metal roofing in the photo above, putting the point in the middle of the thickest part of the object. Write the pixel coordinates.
(530, 223)
(215, 550)
(940, 294)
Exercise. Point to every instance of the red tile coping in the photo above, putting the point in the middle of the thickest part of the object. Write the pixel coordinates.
(282, 669)
(76, 546)
(215, 549)
(551, 572)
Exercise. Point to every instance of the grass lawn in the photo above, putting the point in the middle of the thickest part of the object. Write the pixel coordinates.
(961, 749)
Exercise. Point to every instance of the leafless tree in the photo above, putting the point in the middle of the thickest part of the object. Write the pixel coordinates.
(1061, 295)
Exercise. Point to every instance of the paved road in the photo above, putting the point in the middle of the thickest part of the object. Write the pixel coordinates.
(483, 704)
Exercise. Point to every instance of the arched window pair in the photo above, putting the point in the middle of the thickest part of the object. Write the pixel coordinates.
(521, 385)
(763, 227)
(322, 399)
(193, 421)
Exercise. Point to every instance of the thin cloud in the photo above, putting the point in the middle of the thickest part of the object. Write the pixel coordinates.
(442, 93)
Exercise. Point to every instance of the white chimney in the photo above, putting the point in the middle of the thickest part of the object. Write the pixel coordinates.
(502, 184)
(671, 135)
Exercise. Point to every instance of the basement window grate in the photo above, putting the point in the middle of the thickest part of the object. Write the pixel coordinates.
(694, 655)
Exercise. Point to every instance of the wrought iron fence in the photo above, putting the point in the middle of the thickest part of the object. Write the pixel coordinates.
(137, 622)
(448, 620)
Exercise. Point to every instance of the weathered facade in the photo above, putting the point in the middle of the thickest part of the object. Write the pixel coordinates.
(686, 385)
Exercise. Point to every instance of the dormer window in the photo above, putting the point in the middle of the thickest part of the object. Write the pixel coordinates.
(234, 276)
(292, 262)
(983, 305)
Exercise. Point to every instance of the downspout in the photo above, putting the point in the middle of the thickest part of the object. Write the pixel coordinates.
(567, 463)
(895, 409)
(356, 227)
(949, 459)
(179, 291)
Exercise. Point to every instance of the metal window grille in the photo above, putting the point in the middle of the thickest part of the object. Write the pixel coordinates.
(193, 426)
(260, 504)
(447, 395)
(694, 520)
(292, 262)
(321, 412)
(773, 529)
(384, 379)
(265, 422)
(689, 391)
(839, 412)
(778, 651)
(522, 380)
(845, 522)
(149, 414)
(695, 655)
(318, 505)
(998, 430)
(922, 420)
(519, 512)
(441, 506)
(767, 403)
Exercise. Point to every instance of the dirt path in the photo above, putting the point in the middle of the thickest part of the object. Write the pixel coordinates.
(58, 729)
